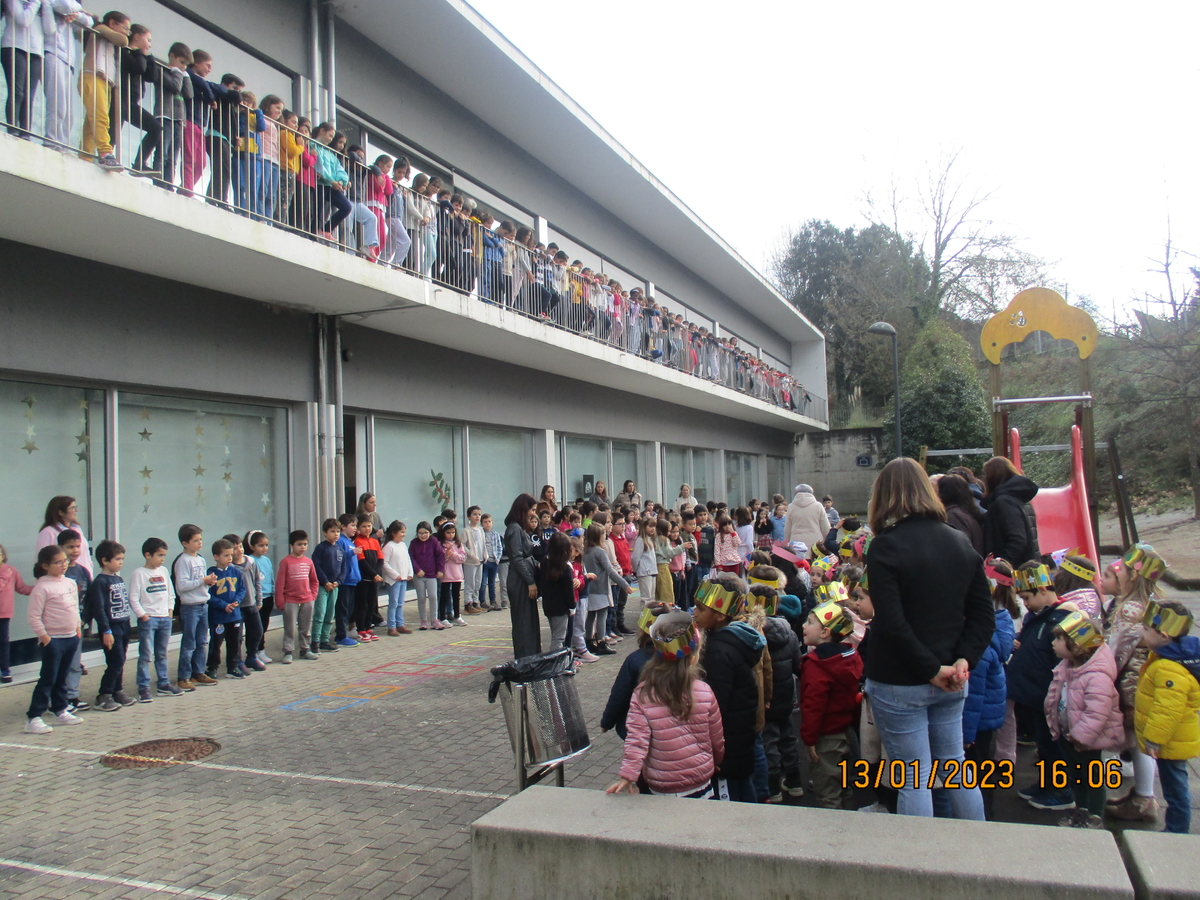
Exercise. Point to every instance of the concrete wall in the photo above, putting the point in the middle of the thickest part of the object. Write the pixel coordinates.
(828, 461)
(559, 842)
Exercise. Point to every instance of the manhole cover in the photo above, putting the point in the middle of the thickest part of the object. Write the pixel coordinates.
(168, 752)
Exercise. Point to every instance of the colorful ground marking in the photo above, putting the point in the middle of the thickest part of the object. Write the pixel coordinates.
(362, 691)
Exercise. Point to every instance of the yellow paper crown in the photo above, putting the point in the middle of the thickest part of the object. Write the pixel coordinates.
(825, 564)
(1075, 569)
(847, 550)
(833, 592)
(1026, 580)
(779, 583)
(1081, 630)
(832, 616)
(646, 619)
(682, 645)
(1168, 621)
(721, 599)
(1142, 560)
(768, 603)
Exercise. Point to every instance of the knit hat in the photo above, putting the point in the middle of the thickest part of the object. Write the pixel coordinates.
(1082, 631)
(1166, 620)
(685, 639)
(832, 616)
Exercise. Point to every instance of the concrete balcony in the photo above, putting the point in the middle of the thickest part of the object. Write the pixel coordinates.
(59, 202)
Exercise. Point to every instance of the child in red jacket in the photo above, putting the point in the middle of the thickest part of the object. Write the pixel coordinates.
(830, 692)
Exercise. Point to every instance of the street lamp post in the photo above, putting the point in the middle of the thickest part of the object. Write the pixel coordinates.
(885, 328)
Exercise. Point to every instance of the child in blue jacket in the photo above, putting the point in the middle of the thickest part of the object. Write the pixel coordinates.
(224, 616)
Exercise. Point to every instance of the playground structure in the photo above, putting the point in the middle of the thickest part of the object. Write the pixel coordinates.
(1067, 517)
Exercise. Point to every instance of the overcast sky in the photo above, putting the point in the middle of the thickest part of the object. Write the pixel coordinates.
(1080, 119)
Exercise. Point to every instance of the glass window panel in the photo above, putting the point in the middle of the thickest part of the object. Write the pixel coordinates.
(778, 475)
(625, 467)
(677, 464)
(701, 459)
(51, 443)
(221, 466)
(733, 480)
(585, 460)
(749, 476)
(501, 464)
(408, 456)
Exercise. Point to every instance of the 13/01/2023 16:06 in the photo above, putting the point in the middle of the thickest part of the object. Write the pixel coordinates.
(949, 774)
(1095, 774)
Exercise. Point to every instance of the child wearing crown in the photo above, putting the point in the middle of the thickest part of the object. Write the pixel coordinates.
(1030, 671)
(779, 733)
(675, 737)
(1133, 584)
(1168, 703)
(830, 692)
(731, 651)
(1083, 714)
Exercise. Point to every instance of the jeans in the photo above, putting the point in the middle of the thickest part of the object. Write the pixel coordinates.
(472, 579)
(75, 673)
(1173, 773)
(487, 583)
(268, 188)
(153, 637)
(328, 219)
(51, 690)
(396, 595)
(761, 788)
(113, 678)
(921, 723)
(193, 646)
(427, 592)
(323, 615)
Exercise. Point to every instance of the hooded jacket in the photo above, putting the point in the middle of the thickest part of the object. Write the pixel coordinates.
(1032, 665)
(785, 659)
(1168, 700)
(1088, 695)
(829, 690)
(729, 657)
(987, 695)
(676, 756)
(806, 521)
(1010, 526)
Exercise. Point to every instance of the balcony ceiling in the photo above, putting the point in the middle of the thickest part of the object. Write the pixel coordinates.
(521, 102)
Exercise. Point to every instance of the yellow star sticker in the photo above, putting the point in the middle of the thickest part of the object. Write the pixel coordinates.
(227, 477)
(29, 447)
(29, 401)
(199, 429)
(84, 438)
(199, 470)
(145, 433)
(145, 413)
(82, 455)
(145, 471)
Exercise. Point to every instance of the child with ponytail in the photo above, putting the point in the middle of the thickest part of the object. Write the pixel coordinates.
(53, 615)
(675, 736)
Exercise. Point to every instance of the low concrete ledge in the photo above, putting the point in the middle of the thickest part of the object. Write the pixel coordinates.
(559, 842)
(1161, 866)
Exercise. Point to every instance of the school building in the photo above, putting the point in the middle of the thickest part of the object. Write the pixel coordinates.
(168, 360)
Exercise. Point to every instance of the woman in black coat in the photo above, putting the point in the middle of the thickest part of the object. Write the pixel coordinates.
(961, 512)
(933, 621)
(1010, 529)
(519, 524)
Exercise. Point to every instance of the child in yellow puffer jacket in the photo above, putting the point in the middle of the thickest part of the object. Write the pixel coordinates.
(1166, 715)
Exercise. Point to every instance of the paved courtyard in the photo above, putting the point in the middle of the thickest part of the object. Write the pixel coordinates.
(353, 776)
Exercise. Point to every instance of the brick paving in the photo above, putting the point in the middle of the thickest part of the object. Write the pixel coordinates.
(349, 776)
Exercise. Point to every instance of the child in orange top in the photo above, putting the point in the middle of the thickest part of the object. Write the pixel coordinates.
(10, 584)
(370, 564)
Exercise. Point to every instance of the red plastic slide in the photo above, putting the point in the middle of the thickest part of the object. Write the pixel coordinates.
(1064, 522)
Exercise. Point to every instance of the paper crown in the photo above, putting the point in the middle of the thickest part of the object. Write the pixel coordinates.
(649, 614)
(1075, 568)
(769, 604)
(862, 544)
(833, 592)
(1169, 622)
(1142, 560)
(847, 550)
(825, 564)
(1081, 630)
(993, 574)
(683, 644)
(862, 582)
(784, 552)
(720, 599)
(778, 583)
(1032, 579)
(832, 616)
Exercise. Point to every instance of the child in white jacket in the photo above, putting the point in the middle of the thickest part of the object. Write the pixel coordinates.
(397, 572)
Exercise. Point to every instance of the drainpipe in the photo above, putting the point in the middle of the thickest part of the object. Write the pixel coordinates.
(331, 63)
(324, 507)
(339, 436)
(314, 61)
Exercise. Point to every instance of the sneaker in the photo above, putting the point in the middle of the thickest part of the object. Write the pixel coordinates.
(263, 658)
(203, 679)
(170, 690)
(794, 788)
(256, 664)
(37, 726)
(1080, 818)
(308, 654)
(210, 672)
(183, 686)
(109, 162)
(326, 647)
(1029, 792)
(6, 678)
(875, 807)
(604, 650)
(78, 705)
(144, 695)
(393, 632)
(105, 703)
(403, 630)
(234, 673)
(588, 657)
(287, 659)
(1133, 808)
(372, 636)
(66, 718)
(424, 626)
(123, 698)
(437, 625)
(347, 642)
(459, 621)
(245, 670)
(776, 798)
(1052, 800)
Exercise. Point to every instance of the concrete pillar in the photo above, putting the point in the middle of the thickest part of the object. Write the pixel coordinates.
(545, 461)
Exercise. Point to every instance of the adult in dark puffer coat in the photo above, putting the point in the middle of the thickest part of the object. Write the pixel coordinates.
(961, 511)
(1010, 529)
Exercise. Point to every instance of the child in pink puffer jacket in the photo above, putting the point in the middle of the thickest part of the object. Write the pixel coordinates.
(675, 738)
(1084, 714)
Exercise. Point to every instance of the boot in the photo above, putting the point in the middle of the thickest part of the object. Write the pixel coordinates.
(1134, 808)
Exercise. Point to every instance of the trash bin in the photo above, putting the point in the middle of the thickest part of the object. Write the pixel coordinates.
(554, 724)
